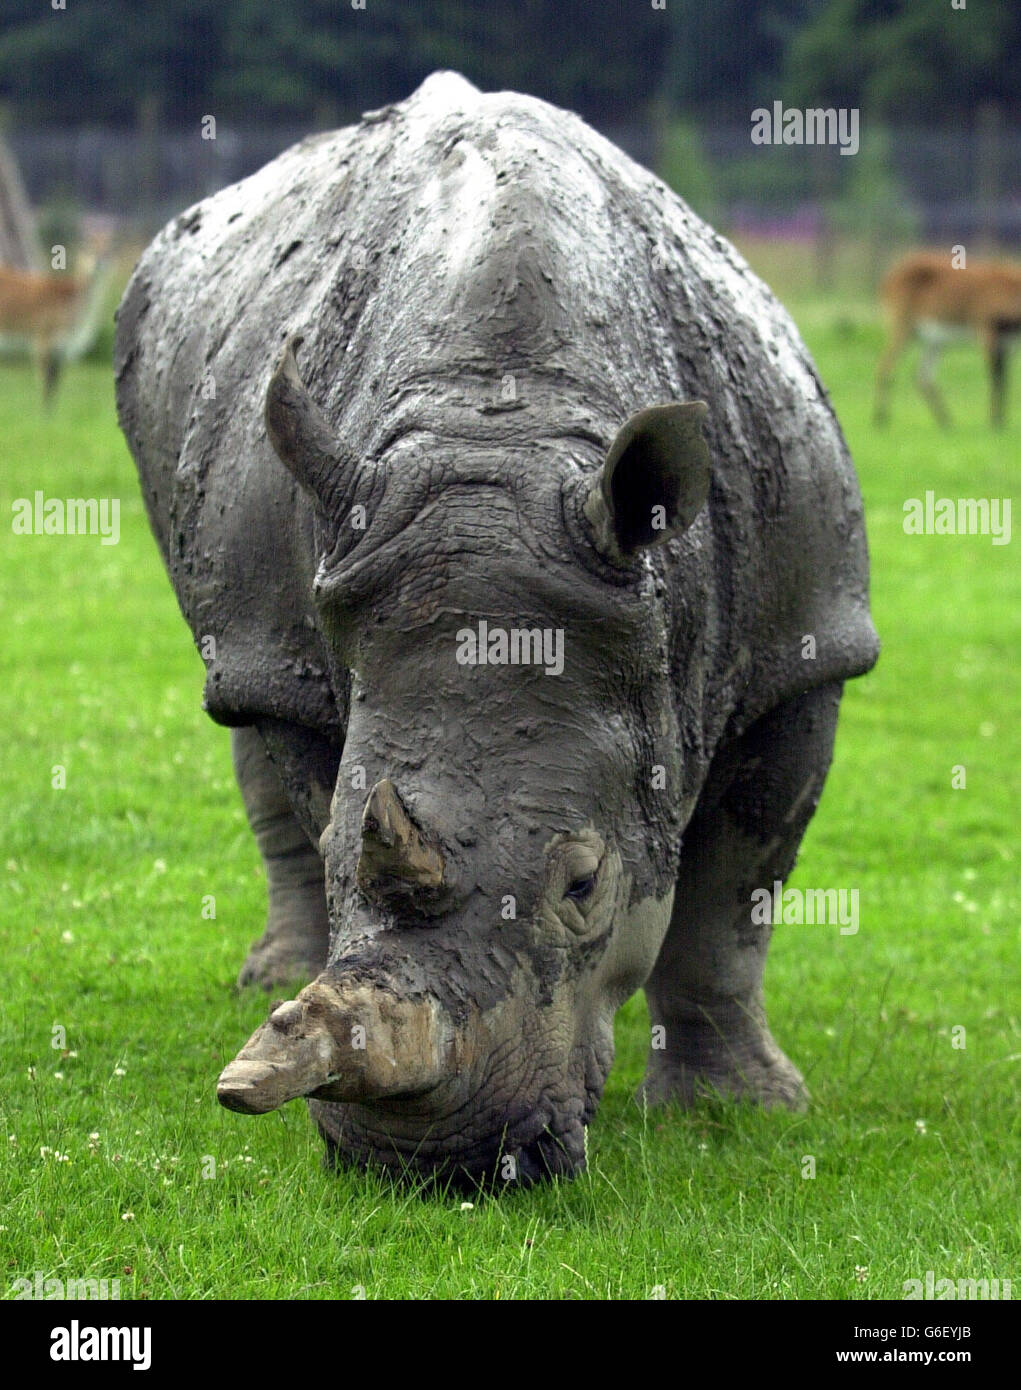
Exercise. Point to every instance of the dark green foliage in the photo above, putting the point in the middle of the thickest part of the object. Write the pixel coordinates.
(252, 61)
(320, 62)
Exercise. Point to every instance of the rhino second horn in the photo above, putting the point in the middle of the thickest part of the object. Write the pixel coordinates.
(394, 850)
(340, 1040)
(303, 439)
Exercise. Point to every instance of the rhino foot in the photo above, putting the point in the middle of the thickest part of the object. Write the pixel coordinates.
(755, 1071)
(294, 945)
(288, 951)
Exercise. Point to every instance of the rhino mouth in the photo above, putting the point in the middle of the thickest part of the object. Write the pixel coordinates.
(394, 1080)
(532, 1146)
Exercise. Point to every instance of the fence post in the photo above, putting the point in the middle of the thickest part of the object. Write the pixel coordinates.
(19, 244)
(989, 126)
(148, 126)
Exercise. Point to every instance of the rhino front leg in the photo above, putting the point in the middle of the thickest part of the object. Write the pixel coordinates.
(706, 987)
(295, 941)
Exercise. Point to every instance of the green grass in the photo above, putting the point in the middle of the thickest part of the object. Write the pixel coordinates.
(915, 1142)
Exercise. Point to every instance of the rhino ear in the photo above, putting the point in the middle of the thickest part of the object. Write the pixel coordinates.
(654, 481)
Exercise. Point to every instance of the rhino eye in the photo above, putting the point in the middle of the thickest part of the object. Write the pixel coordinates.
(581, 887)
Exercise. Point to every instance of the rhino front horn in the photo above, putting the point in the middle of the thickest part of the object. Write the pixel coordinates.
(394, 853)
(303, 439)
(340, 1040)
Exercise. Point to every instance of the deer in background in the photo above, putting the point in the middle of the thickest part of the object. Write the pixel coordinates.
(927, 298)
(56, 311)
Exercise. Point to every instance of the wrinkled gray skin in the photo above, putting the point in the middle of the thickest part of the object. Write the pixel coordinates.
(487, 295)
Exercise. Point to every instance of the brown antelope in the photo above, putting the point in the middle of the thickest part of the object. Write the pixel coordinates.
(927, 298)
(49, 310)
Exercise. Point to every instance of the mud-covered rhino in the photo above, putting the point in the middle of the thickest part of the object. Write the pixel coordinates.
(501, 499)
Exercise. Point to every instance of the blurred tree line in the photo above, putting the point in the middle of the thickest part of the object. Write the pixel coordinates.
(319, 62)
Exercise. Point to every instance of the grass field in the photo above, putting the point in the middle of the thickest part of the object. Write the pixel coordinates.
(109, 1139)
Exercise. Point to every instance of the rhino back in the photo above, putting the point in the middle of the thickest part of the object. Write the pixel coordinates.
(485, 271)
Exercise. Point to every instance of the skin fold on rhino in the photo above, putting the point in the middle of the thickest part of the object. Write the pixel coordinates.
(500, 498)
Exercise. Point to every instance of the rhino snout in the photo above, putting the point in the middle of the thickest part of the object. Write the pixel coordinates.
(341, 1040)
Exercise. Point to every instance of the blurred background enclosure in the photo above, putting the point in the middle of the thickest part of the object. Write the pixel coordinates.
(120, 114)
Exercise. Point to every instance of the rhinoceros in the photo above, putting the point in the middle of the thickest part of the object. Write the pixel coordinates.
(527, 562)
